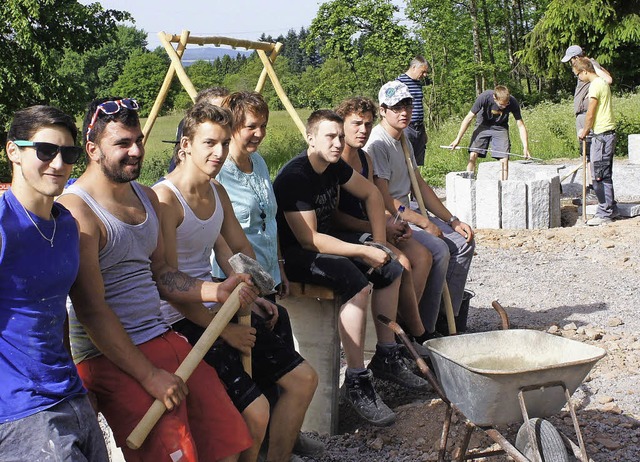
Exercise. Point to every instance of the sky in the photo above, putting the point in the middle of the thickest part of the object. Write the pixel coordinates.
(241, 19)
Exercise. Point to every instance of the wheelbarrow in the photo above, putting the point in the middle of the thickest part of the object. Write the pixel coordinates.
(504, 377)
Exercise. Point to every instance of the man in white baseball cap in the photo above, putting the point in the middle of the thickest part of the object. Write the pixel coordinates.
(449, 240)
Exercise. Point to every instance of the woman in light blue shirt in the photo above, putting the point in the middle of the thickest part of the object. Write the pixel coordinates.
(245, 176)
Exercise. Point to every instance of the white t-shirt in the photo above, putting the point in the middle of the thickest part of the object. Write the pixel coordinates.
(389, 162)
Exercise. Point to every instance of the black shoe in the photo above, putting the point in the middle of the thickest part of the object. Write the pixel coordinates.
(392, 367)
(417, 345)
(363, 398)
(308, 447)
(431, 335)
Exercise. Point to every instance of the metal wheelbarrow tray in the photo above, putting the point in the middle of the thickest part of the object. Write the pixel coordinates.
(483, 373)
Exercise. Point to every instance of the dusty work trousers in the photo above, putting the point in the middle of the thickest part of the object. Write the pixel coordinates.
(452, 256)
(602, 148)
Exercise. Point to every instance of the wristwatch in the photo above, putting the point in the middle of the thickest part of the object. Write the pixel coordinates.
(452, 219)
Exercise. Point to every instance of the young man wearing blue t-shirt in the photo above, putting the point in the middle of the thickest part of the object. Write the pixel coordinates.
(44, 409)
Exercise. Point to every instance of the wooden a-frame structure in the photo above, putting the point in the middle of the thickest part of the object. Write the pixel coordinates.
(176, 67)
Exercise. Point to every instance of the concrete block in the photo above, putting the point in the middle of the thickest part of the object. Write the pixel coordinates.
(555, 192)
(519, 170)
(450, 189)
(538, 203)
(634, 149)
(626, 209)
(625, 181)
(465, 208)
(514, 204)
(488, 204)
(314, 321)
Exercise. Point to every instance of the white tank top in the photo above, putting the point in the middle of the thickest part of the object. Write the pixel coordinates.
(195, 239)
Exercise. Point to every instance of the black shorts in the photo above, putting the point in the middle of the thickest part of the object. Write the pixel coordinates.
(271, 359)
(346, 276)
(497, 137)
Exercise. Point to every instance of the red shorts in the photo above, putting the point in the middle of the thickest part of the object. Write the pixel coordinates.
(205, 427)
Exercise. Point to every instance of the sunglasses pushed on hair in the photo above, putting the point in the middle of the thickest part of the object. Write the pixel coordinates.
(46, 152)
(112, 107)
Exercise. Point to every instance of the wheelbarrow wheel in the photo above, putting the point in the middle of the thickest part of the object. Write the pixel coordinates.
(549, 441)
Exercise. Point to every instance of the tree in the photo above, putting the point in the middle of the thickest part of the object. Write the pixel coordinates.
(608, 30)
(366, 36)
(142, 78)
(34, 36)
(95, 71)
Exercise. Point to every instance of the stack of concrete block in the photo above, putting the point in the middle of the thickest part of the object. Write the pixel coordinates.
(530, 199)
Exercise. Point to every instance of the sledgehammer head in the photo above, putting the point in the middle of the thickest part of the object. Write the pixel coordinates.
(263, 280)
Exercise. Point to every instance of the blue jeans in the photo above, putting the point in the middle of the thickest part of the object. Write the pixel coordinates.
(452, 256)
(68, 431)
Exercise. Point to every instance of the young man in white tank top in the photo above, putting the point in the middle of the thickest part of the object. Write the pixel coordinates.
(197, 211)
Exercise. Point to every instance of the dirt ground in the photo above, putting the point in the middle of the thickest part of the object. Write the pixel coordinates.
(576, 281)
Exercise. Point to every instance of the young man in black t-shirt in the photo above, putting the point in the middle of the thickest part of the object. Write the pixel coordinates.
(307, 192)
(492, 108)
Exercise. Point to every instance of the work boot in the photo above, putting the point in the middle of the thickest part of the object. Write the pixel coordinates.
(392, 367)
(308, 447)
(363, 398)
(597, 221)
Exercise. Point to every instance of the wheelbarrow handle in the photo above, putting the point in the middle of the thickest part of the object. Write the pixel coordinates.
(422, 365)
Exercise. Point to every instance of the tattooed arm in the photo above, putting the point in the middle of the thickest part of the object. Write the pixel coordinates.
(176, 286)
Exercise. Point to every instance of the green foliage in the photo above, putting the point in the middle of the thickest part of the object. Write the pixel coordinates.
(552, 135)
(608, 30)
(94, 71)
(294, 50)
(551, 127)
(5, 168)
(141, 79)
(35, 36)
(627, 115)
(365, 38)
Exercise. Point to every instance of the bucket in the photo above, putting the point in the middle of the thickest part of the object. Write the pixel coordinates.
(461, 319)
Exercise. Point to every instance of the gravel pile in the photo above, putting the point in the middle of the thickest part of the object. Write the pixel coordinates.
(578, 282)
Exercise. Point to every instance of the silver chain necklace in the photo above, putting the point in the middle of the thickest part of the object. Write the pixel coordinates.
(50, 241)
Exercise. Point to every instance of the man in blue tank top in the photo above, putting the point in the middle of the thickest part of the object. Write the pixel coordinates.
(124, 350)
(44, 410)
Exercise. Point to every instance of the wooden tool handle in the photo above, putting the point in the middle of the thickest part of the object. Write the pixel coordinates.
(227, 311)
(446, 296)
(244, 319)
(584, 180)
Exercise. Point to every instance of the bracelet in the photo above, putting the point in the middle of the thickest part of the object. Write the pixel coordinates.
(280, 260)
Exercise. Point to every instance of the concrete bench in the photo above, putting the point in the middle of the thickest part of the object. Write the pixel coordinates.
(314, 319)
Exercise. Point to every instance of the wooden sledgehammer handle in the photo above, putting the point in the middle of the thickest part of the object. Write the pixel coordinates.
(184, 371)
(244, 319)
(446, 296)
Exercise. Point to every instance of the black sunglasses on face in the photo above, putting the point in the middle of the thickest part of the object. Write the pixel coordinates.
(46, 152)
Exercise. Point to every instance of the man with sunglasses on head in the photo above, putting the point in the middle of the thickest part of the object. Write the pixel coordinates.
(124, 350)
(449, 240)
(492, 109)
(44, 409)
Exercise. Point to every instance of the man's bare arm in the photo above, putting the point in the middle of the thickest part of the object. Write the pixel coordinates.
(304, 227)
(101, 323)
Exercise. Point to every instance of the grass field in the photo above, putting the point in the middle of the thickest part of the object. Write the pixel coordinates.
(551, 130)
